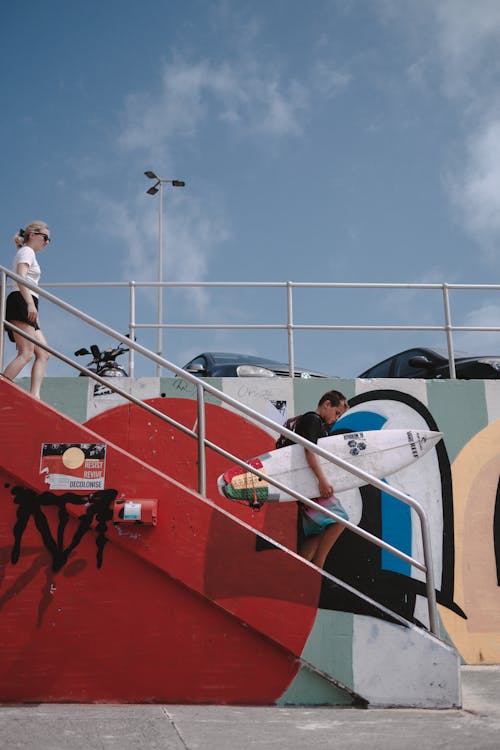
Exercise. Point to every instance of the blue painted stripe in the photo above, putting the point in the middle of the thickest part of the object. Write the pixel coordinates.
(396, 530)
(360, 421)
(396, 516)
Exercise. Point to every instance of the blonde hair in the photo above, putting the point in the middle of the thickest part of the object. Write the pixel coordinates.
(22, 235)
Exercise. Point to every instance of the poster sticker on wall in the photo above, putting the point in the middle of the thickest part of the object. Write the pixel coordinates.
(277, 410)
(73, 466)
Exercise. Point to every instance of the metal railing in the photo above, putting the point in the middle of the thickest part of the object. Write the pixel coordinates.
(289, 325)
(203, 387)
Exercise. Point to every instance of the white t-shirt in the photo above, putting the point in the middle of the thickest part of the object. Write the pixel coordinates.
(27, 255)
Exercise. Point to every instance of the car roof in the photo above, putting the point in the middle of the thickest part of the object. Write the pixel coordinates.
(253, 359)
(459, 356)
(221, 357)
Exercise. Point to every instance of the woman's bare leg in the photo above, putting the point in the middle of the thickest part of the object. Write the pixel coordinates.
(25, 351)
(39, 365)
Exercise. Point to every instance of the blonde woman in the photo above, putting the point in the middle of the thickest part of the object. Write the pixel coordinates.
(22, 305)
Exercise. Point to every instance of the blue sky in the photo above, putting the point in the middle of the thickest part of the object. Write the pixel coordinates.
(335, 140)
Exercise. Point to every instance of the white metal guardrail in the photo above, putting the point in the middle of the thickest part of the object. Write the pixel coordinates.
(289, 325)
(203, 387)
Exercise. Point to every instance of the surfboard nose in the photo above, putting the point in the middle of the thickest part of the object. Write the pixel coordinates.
(436, 436)
(421, 442)
(429, 438)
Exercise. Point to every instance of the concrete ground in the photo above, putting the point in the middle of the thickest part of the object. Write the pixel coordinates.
(164, 727)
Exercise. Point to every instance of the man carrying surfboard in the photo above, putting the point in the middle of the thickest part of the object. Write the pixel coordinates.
(319, 531)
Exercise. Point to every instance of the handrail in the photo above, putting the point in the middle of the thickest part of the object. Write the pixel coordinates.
(424, 567)
(111, 384)
(289, 325)
(203, 442)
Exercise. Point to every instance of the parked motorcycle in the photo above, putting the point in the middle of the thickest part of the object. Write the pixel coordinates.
(103, 361)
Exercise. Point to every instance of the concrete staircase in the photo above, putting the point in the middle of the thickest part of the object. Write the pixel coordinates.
(197, 608)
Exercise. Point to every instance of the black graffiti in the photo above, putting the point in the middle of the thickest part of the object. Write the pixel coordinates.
(96, 506)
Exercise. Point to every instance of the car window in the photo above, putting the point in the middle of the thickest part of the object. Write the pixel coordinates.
(221, 358)
(403, 369)
(236, 358)
(382, 370)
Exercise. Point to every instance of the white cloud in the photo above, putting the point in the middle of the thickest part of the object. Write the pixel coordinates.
(477, 342)
(467, 44)
(251, 98)
(192, 232)
(328, 80)
(421, 306)
(133, 228)
(485, 316)
(468, 35)
(475, 186)
(456, 47)
(454, 42)
(461, 35)
(197, 231)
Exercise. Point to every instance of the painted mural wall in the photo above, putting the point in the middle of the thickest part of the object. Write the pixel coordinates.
(458, 484)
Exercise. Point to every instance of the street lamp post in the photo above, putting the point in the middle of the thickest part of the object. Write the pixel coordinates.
(158, 187)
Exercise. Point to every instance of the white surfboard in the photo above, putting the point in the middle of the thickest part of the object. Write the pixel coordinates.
(378, 452)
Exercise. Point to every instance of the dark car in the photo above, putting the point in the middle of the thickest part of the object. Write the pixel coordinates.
(231, 365)
(434, 363)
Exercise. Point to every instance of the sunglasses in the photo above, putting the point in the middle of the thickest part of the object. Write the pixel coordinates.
(42, 234)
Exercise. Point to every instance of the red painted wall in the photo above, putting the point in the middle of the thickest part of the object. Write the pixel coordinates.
(186, 611)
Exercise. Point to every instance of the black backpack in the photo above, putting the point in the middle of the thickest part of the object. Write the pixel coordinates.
(290, 424)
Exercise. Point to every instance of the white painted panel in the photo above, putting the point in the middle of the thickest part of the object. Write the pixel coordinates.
(397, 666)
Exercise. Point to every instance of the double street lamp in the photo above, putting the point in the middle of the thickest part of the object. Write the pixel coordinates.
(158, 188)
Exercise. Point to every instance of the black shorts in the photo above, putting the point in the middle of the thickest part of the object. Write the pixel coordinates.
(17, 309)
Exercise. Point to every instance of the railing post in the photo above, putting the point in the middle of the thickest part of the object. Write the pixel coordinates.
(449, 334)
(289, 328)
(3, 298)
(202, 462)
(131, 329)
(429, 574)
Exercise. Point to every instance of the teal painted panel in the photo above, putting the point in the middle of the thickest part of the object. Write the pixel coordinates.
(460, 410)
(329, 646)
(24, 383)
(308, 391)
(67, 395)
(310, 689)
